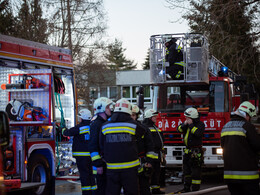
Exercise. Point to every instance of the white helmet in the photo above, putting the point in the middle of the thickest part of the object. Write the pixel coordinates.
(101, 103)
(192, 113)
(248, 108)
(135, 109)
(85, 114)
(123, 105)
(150, 113)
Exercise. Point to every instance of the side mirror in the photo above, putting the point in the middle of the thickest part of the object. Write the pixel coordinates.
(4, 129)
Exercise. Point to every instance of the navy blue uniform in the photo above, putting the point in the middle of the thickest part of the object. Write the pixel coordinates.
(80, 151)
(241, 144)
(146, 155)
(157, 137)
(95, 129)
(118, 143)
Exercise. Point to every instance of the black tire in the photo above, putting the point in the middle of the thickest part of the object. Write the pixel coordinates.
(39, 171)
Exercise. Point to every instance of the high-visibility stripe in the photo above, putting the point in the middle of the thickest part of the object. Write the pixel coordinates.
(119, 130)
(186, 137)
(228, 133)
(196, 181)
(95, 156)
(193, 130)
(187, 151)
(178, 74)
(117, 124)
(86, 188)
(94, 187)
(152, 155)
(246, 175)
(180, 129)
(154, 130)
(154, 187)
(124, 165)
(140, 169)
(180, 63)
(80, 153)
(94, 170)
(84, 129)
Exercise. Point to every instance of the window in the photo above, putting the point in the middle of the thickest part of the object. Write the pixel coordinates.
(113, 93)
(130, 93)
(126, 92)
(103, 92)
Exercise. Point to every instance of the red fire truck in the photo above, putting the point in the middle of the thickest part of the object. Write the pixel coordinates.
(207, 85)
(38, 94)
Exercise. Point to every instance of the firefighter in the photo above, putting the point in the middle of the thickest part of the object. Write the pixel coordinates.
(174, 56)
(103, 108)
(146, 155)
(241, 144)
(149, 121)
(118, 143)
(192, 129)
(80, 151)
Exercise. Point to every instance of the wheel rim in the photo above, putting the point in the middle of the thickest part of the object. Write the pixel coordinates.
(39, 175)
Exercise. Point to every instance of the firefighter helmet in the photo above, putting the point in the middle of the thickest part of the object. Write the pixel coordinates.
(248, 108)
(191, 113)
(100, 104)
(150, 113)
(123, 105)
(135, 109)
(85, 114)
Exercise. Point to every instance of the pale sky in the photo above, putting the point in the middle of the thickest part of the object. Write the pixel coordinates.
(134, 21)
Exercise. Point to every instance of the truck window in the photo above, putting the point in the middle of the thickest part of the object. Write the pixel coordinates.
(212, 98)
(219, 96)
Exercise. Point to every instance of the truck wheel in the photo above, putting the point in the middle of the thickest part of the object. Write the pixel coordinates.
(39, 171)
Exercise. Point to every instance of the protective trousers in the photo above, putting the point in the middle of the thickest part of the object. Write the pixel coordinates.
(144, 184)
(192, 162)
(128, 179)
(245, 188)
(86, 177)
(100, 181)
(175, 70)
(155, 180)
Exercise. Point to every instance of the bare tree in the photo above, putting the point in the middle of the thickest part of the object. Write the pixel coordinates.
(232, 27)
(73, 23)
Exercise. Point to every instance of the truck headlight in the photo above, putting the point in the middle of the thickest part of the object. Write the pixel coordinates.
(219, 151)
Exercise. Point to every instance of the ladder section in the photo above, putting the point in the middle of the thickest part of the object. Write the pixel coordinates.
(188, 52)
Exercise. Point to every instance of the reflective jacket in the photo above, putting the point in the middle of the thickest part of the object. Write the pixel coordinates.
(192, 134)
(240, 143)
(157, 136)
(146, 146)
(95, 129)
(81, 137)
(118, 142)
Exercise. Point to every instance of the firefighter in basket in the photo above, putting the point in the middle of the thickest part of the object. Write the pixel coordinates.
(241, 146)
(174, 56)
(80, 151)
(192, 129)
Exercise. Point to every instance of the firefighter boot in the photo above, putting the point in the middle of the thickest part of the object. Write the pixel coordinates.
(157, 191)
(184, 190)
